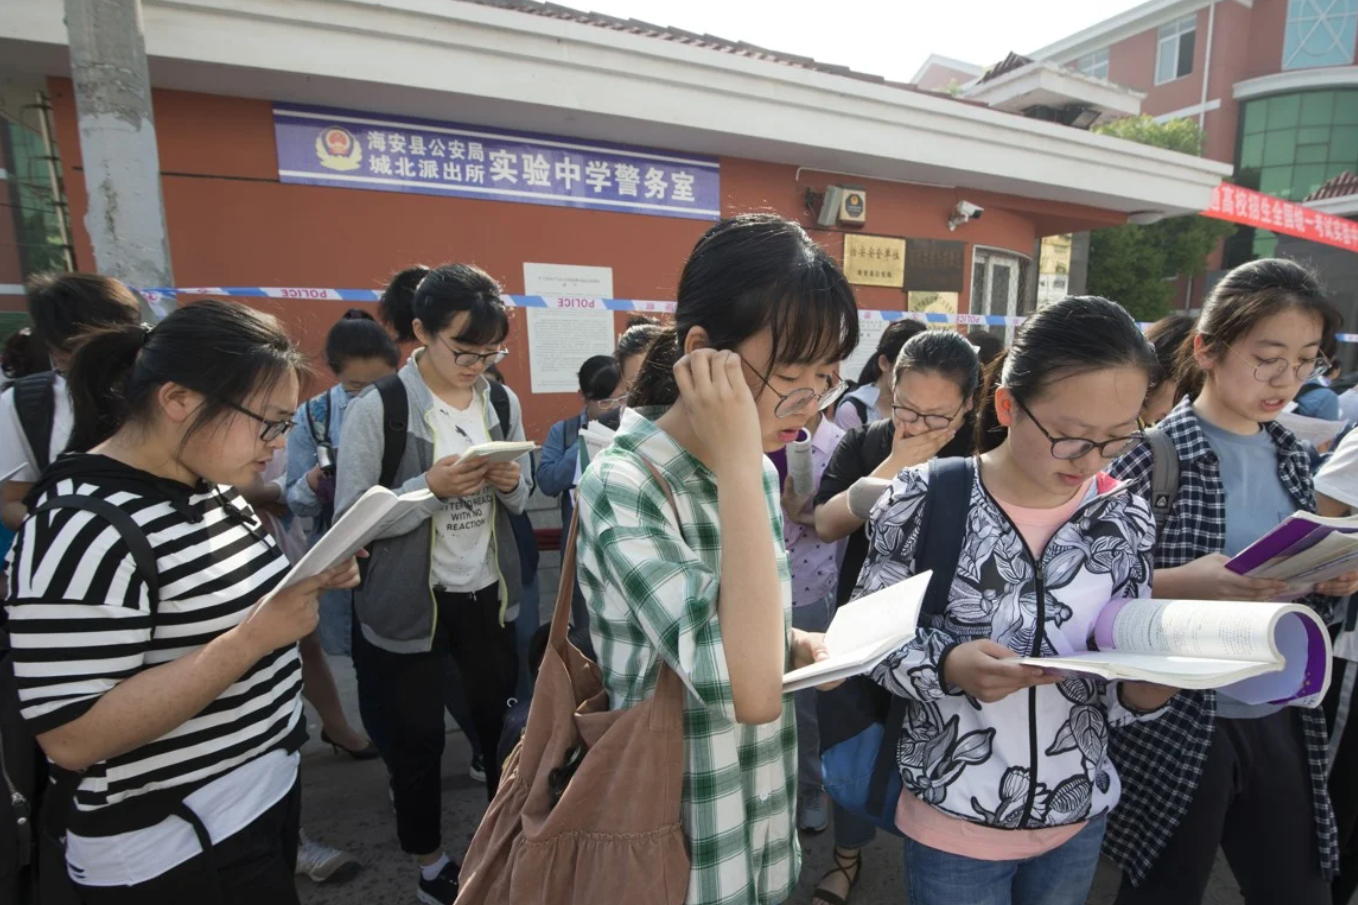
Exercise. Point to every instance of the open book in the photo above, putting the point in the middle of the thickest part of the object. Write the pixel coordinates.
(1257, 653)
(596, 438)
(1303, 550)
(358, 527)
(497, 451)
(864, 633)
(1316, 431)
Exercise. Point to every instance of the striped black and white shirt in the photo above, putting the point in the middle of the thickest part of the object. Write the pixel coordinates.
(81, 620)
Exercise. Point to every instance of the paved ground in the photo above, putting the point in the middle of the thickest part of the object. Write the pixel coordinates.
(345, 804)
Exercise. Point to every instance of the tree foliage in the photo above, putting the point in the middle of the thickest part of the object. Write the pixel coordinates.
(1135, 265)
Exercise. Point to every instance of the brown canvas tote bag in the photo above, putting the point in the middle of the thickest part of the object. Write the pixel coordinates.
(588, 808)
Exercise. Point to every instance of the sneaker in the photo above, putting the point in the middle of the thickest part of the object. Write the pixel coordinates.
(441, 890)
(812, 813)
(477, 770)
(324, 864)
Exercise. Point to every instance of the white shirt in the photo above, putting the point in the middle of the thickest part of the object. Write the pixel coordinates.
(462, 526)
(14, 449)
(1338, 477)
(226, 806)
(1348, 405)
(846, 416)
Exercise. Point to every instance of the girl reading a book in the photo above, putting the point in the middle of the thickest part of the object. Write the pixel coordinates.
(1007, 782)
(763, 318)
(1214, 771)
(444, 580)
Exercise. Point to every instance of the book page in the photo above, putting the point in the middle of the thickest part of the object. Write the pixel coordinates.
(1222, 629)
(354, 530)
(865, 631)
(1334, 546)
(1174, 671)
(497, 451)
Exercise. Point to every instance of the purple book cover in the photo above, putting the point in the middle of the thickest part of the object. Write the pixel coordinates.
(1290, 538)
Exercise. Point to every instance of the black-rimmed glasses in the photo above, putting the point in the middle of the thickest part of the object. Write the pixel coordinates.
(472, 359)
(1269, 369)
(791, 403)
(272, 429)
(906, 415)
(1068, 448)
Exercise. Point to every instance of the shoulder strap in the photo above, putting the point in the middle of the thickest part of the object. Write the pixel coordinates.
(499, 401)
(861, 407)
(320, 431)
(943, 523)
(1164, 475)
(395, 415)
(35, 402)
(143, 556)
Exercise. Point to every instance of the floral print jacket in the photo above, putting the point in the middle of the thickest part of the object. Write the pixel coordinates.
(1038, 758)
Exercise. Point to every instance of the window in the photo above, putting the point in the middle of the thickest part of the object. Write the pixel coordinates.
(1174, 50)
(1319, 33)
(1096, 63)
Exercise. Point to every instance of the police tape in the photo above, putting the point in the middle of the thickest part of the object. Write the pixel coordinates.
(580, 303)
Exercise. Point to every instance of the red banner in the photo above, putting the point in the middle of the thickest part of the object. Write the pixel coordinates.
(1241, 205)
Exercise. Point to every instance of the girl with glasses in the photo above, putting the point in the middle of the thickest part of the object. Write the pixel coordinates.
(1007, 783)
(763, 315)
(445, 581)
(1214, 771)
(156, 659)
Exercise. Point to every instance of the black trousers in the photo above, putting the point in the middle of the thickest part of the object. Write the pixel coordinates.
(1254, 801)
(1344, 784)
(251, 867)
(408, 691)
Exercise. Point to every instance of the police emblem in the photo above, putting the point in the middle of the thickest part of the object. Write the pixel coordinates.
(337, 149)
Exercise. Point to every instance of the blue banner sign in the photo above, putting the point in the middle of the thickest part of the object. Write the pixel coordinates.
(321, 146)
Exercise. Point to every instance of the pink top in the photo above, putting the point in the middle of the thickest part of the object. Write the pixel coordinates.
(937, 830)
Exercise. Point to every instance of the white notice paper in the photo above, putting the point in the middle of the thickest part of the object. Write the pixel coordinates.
(559, 341)
(869, 334)
(567, 279)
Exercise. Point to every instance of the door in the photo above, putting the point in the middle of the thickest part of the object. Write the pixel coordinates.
(995, 285)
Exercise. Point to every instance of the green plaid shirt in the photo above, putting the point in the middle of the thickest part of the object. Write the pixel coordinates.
(653, 593)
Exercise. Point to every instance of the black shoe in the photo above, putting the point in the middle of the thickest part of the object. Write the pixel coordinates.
(368, 752)
(441, 890)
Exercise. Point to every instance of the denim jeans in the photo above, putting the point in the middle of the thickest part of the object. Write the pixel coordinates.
(813, 617)
(1062, 876)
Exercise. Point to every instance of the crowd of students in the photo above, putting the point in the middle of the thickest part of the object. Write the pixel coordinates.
(157, 479)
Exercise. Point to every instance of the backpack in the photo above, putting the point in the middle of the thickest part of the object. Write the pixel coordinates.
(395, 411)
(37, 797)
(35, 402)
(1164, 476)
(859, 406)
(860, 722)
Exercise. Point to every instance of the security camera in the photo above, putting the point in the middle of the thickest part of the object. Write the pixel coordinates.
(964, 212)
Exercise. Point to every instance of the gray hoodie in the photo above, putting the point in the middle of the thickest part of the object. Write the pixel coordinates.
(395, 606)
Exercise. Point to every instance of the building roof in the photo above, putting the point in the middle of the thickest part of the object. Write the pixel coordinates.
(680, 36)
(1341, 186)
(937, 59)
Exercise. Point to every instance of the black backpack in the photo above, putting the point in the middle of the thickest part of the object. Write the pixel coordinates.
(35, 402)
(37, 797)
(395, 411)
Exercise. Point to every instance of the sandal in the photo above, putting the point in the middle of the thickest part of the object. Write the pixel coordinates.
(822, 894)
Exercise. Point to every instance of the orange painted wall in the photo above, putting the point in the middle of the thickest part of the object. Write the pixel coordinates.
(232, 223)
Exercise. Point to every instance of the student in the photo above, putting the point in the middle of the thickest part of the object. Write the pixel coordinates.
(1213, 771)
(1013, 808)
(935, 376)
(989, 346)
(871, 399)
(763, 317)
(35, 413)
(359, 353)
(444, 580)
(1315, 399)
(599, 390)
(631, 351)
(1167, 335)
(815, 581)
(128, 678)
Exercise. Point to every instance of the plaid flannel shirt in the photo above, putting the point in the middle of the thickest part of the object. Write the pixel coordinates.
(1161, 762)
(652, 587)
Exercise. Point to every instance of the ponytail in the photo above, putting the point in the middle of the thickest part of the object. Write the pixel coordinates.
(223, 351)
(396, 307)
(655, 384)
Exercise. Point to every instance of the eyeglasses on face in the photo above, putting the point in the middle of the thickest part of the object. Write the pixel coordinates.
(791, 403)
(1068, 448)
(465, 359)
(907, 415)
(1267, 370)
(272, 429)
(612, 402)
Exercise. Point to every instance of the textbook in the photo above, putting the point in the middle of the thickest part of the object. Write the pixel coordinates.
(358, 527)
(864, 633)
(497, 451)
(1303, 550)
(1258, 653)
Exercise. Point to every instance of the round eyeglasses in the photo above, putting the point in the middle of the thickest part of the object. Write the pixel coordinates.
(792, 403)
(1268, 370)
